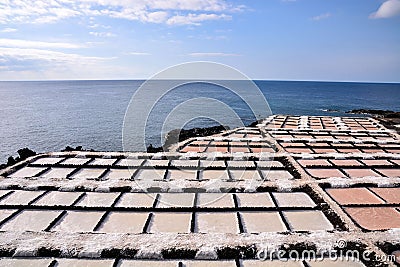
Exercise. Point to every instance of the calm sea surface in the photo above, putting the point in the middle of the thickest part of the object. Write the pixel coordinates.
(47, 116)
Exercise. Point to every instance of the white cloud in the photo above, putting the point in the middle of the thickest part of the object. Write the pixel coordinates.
(22, 63)
(322, 16)
(17, 43)
(157, 17)
(102, 34)
(5, 30)
(138, 54)
(20, 56)
(183, 5)
(215, 37)
(11, 55)
(96, 25)
(208, 54)
(194, 5)
(34, 64)
(172, 12)
(195, 19)
(388, 9)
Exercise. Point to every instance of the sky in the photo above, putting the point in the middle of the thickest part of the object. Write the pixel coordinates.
(330, 40)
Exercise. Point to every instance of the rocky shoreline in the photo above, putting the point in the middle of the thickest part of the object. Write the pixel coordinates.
(23, 153)
(376, 112)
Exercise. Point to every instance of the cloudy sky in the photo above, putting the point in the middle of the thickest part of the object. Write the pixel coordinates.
(338, 40)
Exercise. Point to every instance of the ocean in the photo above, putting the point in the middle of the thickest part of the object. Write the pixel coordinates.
(50, 115)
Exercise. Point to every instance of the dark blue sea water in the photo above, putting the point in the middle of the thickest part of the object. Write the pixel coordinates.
(47, 116)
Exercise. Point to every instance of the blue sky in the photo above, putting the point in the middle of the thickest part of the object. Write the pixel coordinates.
(335, 40)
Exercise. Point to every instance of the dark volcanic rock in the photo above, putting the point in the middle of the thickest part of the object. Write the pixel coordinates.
(152, 149)
(68, 149)
(78, 148)
(11, 161)
(376, 112)
(180, 135)
(254, 124)
(23, 153)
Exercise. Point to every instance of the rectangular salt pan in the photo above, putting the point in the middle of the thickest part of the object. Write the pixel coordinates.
(136, 200)
(78, 221)
(214, 174)
(21, 197)
(130, 162)
(47, 161)
(216, 222)
(150, 174)
(177, 200)
(245, 175)
(56, 198)
(124, 222)
(75, 161)
(119, 174)
(84, 262)
(31, 220)
(182, 174)
(57, 173)
(167, 222)
(215, 200)
(298, 199)
(307, 221)
(92, 173)
(27, 172)
(254, 200)
(105, 162)
(94, 199)
(257, 222)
